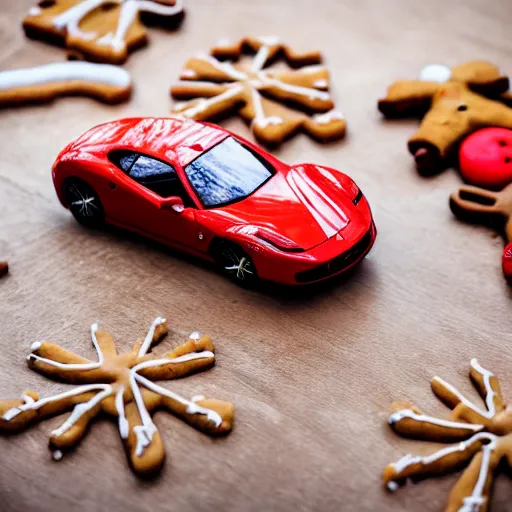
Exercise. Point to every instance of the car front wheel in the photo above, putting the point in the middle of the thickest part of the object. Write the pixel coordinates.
(236, 263)
(84, 203)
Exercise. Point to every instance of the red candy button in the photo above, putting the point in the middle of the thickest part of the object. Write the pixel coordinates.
(507, 262)
(485, 158)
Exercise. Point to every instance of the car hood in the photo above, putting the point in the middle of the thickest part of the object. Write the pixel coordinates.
(306, 204)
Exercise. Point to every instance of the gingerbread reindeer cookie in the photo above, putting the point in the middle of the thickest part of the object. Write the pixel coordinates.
(481, 437)
(454, 103)
(214, 87)
(100, 30)
(122, 386)
(481, 206)
(104, 82)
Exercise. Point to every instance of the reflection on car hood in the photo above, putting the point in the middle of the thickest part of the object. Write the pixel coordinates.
(303, 204)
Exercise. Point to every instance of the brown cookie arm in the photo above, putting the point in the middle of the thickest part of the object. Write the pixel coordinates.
(143, 443)
(442, 461)
(488, 386)
(175, 368)
(412, 423)
(217, 417)
(408, 98)
(187, 89)
(463, 409)
(17, 416)
(474, 204)
(473, 489)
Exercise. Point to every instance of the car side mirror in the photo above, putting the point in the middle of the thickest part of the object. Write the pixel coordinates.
(173, 203)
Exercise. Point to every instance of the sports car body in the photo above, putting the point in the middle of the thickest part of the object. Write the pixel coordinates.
(206, 191)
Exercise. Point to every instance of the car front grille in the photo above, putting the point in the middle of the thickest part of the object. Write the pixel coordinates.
(337, 264)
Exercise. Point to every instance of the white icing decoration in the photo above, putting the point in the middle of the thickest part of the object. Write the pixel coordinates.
(145, 432)
(71, 18)
(259, 115)
(490, 413)
(321, 83)
(260, 58)
(328, 117)
(203, 104)
(472, 503)
(77, 366)
(195, 336)
(392, 486)
(188, 73)
(123, 422)
(409, 413)
(225, 67)
(34, 405)
(269, 40)
(65, 72)
(35, 346)
(149, 336)
(295, 89)
(57, 455)
(35, 11)
(435, 73)
(409, 460)
(222, 43)
(80, 409)
(198, 398)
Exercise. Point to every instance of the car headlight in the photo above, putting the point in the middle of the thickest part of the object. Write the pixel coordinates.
(270, 238)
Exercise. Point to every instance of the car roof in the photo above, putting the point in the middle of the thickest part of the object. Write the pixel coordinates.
(165, 138)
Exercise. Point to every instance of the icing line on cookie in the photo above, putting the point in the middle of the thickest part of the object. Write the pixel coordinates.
(123, 422)
(145, 432)
(410, 414)
(486, 414)
(72, 17)
(34, 405)
(65, 72)
(203, 104)
(490, 394)
(409, 460)
(148, 340)
(80, 409)
(328, 117)
(259, 115)
(75, 366)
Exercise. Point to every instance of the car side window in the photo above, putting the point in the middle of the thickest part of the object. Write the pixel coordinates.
(157, 176)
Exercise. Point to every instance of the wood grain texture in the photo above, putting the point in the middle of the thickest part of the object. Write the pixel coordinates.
(312, 374)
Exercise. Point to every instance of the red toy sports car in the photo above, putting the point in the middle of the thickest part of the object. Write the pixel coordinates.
(206, 191)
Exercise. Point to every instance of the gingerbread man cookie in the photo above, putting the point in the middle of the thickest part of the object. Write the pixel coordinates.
(481, 437)
(122, 386)
(213, 87)
(453, 104)
(104, 82)
(478, 205)
(100, 30)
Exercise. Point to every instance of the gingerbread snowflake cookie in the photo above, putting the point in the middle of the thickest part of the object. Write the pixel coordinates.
(213, 86)
(453, 103)
(100, 30)
(122, 386)
(482, 439)
(104, 82)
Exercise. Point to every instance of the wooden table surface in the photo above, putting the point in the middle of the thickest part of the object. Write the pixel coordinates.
(312, 373)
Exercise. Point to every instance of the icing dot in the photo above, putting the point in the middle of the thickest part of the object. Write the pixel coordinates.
(195, 335)
(35, 346)
(57, 455)
(392, 486)
(435, 73)
(197, 398)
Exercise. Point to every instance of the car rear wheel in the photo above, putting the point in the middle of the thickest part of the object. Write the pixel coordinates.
(84, 203)
(236, 263)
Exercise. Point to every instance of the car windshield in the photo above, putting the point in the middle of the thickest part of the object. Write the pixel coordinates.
(227, 173)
